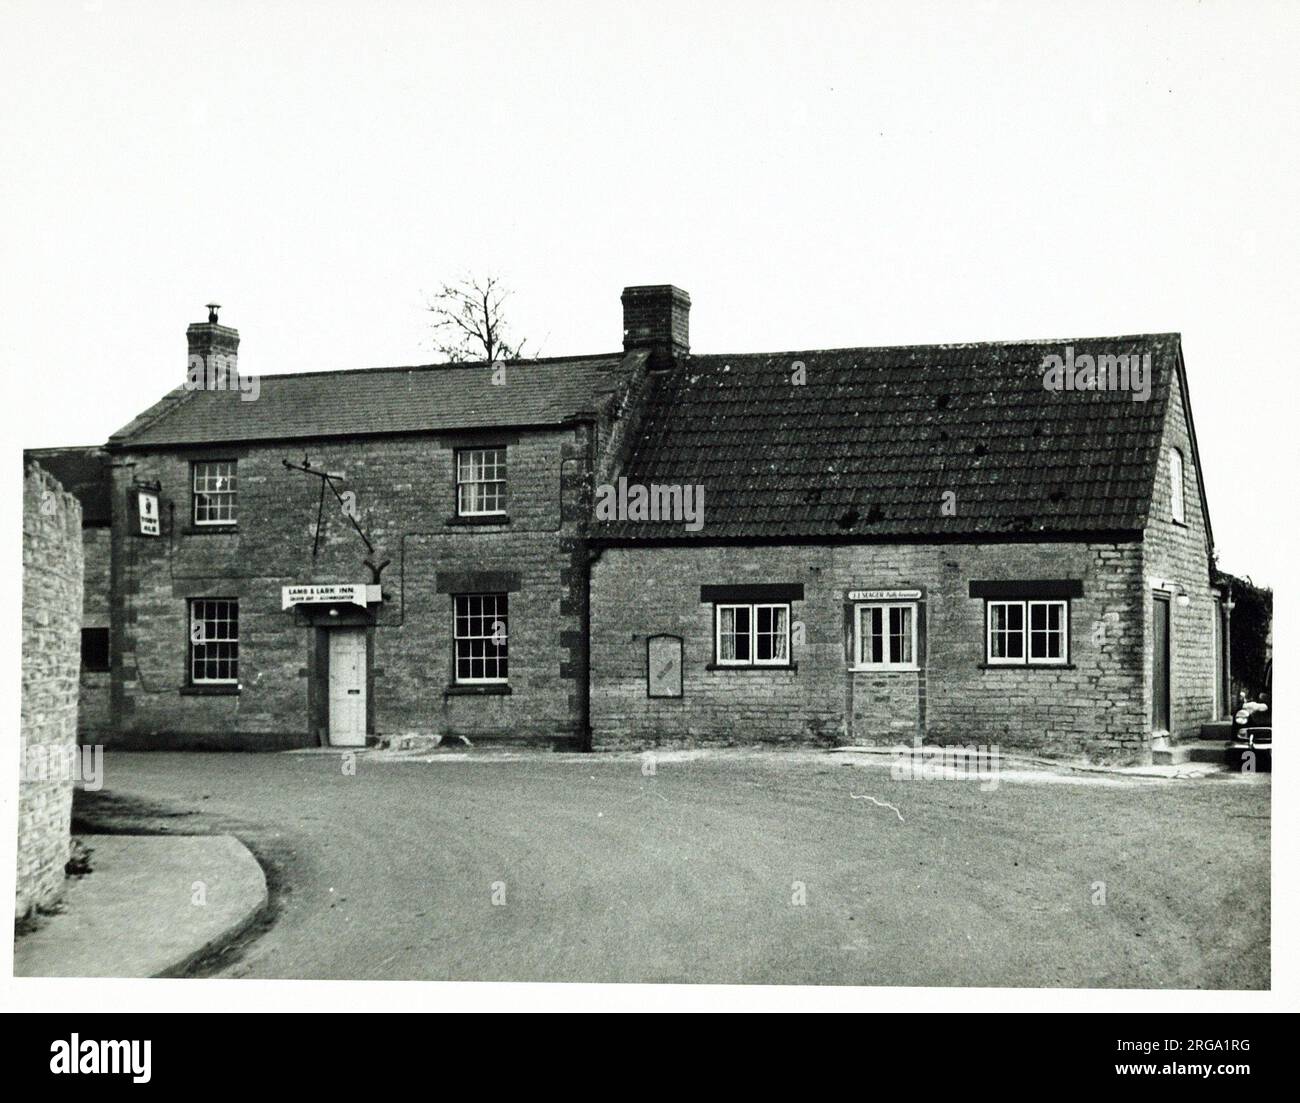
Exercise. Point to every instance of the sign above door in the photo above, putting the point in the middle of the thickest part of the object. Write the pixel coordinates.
(356, 593)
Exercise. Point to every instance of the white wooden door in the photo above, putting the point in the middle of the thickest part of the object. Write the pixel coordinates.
(348, 687)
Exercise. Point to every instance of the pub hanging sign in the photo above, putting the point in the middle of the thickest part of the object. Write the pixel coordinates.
(144, 515)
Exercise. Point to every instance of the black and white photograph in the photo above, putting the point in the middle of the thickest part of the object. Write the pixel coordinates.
(649, 507)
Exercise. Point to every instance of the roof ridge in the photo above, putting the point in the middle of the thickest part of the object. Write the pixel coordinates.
(462, 364)
(1027, 341)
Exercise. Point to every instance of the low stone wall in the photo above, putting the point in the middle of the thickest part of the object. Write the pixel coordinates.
(51, 658)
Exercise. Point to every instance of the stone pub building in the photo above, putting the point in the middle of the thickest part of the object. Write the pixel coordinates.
(894, 545)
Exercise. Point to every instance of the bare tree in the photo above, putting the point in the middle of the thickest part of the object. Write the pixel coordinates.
(469, 321)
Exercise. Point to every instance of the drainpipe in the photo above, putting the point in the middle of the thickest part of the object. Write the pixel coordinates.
(584, 651)
(1228, 607)
(584, 558)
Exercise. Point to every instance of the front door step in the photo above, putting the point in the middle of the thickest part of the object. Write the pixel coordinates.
(1177, 754)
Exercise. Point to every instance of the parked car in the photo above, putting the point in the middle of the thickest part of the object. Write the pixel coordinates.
(1252, 727)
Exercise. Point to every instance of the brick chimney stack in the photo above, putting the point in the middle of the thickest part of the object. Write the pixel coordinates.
(214, 351)
(657, 317)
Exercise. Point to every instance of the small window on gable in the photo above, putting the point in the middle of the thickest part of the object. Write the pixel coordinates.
(1176, 506)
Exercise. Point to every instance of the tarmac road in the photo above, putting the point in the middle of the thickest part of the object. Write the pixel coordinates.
(758, 868)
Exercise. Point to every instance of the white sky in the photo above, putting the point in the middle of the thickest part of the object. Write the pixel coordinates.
(814, 174)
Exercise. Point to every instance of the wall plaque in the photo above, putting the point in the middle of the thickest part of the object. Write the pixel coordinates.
(664, 666)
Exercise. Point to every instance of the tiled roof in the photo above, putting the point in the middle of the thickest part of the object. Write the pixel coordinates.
(378, 401)
(84, 473)
(873, 442)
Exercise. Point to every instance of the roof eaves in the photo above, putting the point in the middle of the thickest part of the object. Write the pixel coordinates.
(1068, 536)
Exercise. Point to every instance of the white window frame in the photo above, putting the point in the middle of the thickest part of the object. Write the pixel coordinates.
(499, 465)
(1026, 632)
(859, 637)
(458, 636)
(1177, 482)
(753, 638)
(718, 610)
(197, 640)
(216, 497)
(752, 608)
(1063, 631)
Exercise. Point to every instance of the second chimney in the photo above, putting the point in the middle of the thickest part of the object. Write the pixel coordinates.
(657, 317)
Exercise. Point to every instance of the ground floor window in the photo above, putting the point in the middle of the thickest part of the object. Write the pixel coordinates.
(1027, 632)
(752, 635)
(482, 637)
(94, 650)
(885, 636)
(214, 640)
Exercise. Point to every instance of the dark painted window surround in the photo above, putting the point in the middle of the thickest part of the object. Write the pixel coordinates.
(475, 582)
(1028, 590)
(751, 593)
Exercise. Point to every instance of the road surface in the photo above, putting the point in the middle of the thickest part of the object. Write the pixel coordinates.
(745, 868)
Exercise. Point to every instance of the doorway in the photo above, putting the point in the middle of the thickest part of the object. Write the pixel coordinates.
(1160, 665)
(347, 696)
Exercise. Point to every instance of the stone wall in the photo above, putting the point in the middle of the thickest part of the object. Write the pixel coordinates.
(1094, 707)
(51, 661)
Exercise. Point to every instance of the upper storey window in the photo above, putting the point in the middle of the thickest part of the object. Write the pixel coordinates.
(216, 492)
(480, 481)
(1176, 506)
